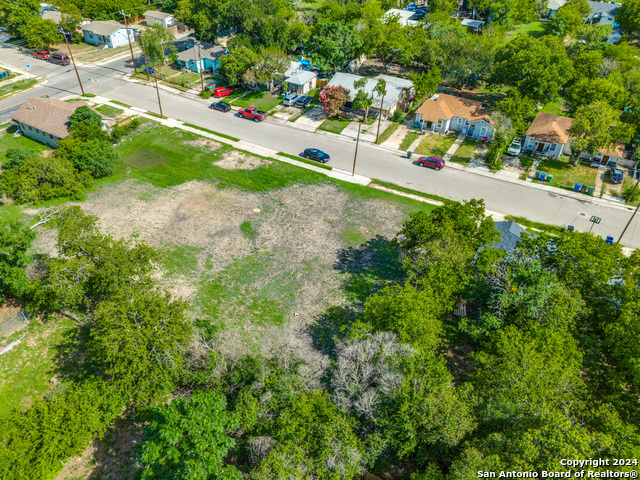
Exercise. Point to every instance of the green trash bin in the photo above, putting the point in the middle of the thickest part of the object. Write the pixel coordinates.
(590, 191)
(549, 177)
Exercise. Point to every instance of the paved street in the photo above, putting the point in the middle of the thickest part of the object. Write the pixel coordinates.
(374, 162)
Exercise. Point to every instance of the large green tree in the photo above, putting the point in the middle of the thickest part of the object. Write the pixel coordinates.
(15, 240)
(188, 439)
(40, 33)
(537, 67)
(628, 16)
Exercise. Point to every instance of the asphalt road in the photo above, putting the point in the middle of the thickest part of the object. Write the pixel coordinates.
(374, 162)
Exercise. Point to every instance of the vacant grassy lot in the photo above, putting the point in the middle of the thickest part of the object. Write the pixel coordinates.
(7, 141)
(390, 130)
(465, 152)
(26, 369)
(556, 107)
(566, 175)
(435, 145)
(533, 29)
(264, 101)
(334, 124)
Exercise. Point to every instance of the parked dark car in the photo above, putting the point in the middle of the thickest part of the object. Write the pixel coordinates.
(317, 155)
(303, 101)
(616, 176)
(433, 162)
(59, 59)
(220, 106)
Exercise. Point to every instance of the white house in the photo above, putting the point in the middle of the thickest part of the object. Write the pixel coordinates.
(109, 32)
(399, 90)
(299, 80)
(403, 17)
(152, 17)
(443, 113)
(548, 136)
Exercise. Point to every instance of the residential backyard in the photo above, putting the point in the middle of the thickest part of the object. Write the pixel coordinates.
(566, 175)
(435, 145)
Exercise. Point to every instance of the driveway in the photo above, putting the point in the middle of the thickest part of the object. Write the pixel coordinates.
(311, 120)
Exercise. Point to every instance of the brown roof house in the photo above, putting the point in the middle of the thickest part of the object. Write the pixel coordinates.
(548, 136)
(45, 120)
(443, 113)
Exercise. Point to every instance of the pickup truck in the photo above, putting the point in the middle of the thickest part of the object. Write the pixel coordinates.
(252, 114)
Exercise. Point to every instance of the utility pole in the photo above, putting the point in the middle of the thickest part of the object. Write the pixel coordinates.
(155, 77)
(126, 24)
(353, 173)
(628, 223)
(144, 54)
(66, 40)
(201, 67)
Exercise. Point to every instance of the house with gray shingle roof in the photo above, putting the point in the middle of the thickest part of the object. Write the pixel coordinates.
(110, 33)
(511, 234)
(153, 17)
(45, 120)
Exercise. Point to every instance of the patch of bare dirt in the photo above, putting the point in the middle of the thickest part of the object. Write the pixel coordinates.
(235, 160)
(204, 144)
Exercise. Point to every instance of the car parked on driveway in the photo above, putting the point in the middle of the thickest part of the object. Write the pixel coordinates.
(42, 54)
(220, 106)
(290, 99)
(316, 154)
(222, 92)
(515, 148)
(616, 176)
(304, 101)
(433, 162)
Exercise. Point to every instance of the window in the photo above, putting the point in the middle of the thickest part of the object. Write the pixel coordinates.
(439, 123)
(483, 131)
(459, 121)
(90, 34)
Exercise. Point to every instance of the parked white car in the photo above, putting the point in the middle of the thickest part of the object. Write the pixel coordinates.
(290, 99)
(515, 148)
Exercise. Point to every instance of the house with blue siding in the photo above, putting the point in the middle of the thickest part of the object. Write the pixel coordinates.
(443, 113)
(109, 33)
(206, 59)
(45, 120)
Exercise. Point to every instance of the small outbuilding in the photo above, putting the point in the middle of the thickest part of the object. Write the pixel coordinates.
(153, 17)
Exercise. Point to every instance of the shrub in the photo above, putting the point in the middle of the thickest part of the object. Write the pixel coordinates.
(206, 94)
(397, 116)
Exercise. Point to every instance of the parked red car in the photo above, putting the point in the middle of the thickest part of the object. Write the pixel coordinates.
(433, 162)
(222, 92)
(42, 54)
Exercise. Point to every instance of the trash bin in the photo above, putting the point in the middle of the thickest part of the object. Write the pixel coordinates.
(542, 177)
(571, 228)
(409, 154)
(537, 176)
(590, 191)
(576, 187)
(583, 189)
(549, 177)
(609, 240)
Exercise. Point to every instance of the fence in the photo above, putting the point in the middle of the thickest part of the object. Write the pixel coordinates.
(14, 324)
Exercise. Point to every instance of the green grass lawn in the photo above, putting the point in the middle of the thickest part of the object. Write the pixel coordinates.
(9, 77)
(334, 124)
(566, 175)
(557, 107)
(408, 139)
(526, 162)
(7, 141)
(264, 101)
(465, 152)
(26, 369)
(15, 87)
(122, 104)
(109, 111)
(534, 29)
(435, 145)
(390, 130)
(236, 92)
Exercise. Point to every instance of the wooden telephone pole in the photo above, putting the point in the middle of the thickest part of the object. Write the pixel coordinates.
(66, 40)
(126, 24)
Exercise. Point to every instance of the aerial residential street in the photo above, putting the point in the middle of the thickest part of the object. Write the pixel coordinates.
(500, 196)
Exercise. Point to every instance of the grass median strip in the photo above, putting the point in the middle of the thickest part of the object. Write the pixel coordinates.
(417, 193)
(304, 160)
(222, 135)
(543, 227)
(122, 104)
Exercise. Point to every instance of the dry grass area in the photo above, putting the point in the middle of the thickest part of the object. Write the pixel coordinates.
(236, 160)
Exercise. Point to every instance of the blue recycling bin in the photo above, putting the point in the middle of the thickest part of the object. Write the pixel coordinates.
(542, 177)
(576, 187)
(609, 240)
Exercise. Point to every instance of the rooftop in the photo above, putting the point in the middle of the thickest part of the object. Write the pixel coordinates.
(156, 14)
(47, 114)
(511, 235)
(301, 77)
(604, 8)
(395, 86)
(445, 107)
(207, 50)
(550, 128)
(104, 28)
(402, 16)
